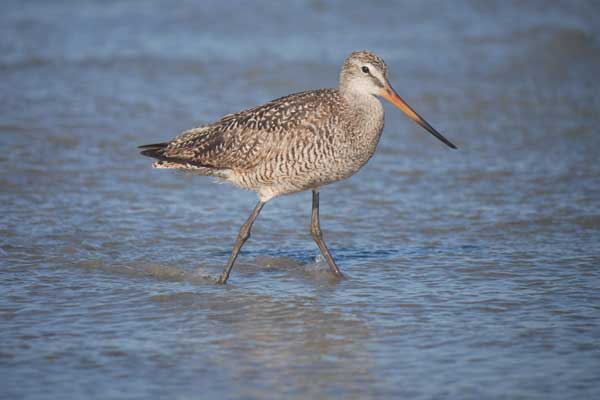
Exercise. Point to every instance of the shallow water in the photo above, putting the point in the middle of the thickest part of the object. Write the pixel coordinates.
(471, 273)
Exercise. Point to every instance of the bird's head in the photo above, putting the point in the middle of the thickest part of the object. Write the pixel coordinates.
(365, 73)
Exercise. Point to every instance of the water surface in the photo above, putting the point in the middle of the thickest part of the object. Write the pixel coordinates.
(471, 273)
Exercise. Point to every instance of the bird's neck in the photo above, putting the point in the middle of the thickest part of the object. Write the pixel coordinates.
(363, 126)
(364, 109)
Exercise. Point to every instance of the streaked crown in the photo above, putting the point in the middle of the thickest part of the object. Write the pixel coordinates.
(363, 72)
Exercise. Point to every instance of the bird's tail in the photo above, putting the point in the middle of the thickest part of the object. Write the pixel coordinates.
(155, 150)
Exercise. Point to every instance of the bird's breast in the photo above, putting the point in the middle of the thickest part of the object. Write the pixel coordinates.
(362, 131)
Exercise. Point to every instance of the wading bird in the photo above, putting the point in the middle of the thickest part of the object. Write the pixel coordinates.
(298, 142)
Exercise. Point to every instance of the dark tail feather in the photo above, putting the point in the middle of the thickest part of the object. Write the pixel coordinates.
(155, 150)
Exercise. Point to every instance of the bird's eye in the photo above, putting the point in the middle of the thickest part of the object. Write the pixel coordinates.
(365, 70)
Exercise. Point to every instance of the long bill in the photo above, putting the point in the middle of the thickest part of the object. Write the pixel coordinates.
(390, 95)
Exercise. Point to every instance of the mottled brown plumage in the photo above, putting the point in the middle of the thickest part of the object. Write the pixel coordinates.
(294, 143)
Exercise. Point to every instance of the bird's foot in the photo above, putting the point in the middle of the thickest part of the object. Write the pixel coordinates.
(222, 279)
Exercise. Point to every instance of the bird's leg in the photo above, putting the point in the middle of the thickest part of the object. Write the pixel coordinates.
(315, 229)
(239, 242)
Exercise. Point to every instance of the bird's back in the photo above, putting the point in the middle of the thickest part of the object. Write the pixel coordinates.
(290, 144)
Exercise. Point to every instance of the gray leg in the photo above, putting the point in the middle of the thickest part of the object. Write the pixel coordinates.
(315, 229)
(241, 239)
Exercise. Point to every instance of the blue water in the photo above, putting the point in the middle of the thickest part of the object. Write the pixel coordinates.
(471, 274)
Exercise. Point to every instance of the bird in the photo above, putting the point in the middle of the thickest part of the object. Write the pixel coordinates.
(302, 141)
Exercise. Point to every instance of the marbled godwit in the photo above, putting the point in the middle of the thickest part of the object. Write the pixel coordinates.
(294, 143)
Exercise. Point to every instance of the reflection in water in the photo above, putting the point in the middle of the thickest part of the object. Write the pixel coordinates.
(286, 344)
